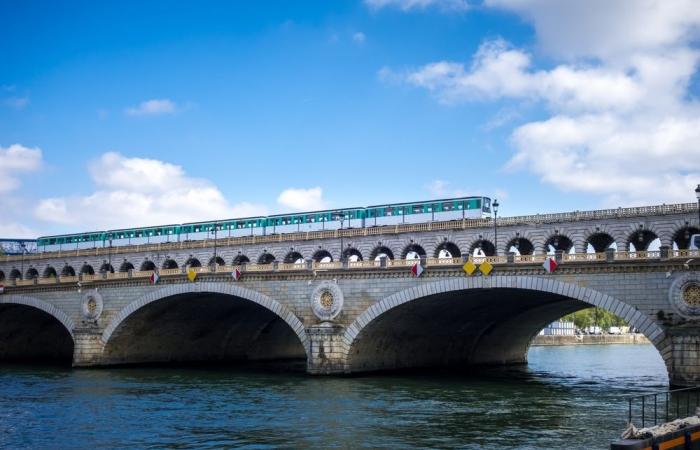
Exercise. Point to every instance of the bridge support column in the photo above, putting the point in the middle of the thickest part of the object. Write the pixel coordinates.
(87, 350)
(684, 367)
(328, 349)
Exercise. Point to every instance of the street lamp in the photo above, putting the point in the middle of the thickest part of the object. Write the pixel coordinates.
(341, 216)
(495, 206)
(24, 250)
(697, 194)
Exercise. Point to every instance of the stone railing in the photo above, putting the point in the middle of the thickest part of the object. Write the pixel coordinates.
(379, 264)
(658, 210)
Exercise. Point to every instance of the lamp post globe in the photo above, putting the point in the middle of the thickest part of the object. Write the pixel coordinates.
(697, 194)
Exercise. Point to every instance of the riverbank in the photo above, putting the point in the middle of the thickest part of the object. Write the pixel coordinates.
(591, 339)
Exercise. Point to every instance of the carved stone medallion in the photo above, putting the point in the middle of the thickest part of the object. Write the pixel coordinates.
(92, 305)
(327, 300)
(684, 295)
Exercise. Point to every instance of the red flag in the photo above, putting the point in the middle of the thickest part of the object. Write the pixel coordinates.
(2, 288)
(236, 274)
(154, 278)
(417, 270)
(549, 265)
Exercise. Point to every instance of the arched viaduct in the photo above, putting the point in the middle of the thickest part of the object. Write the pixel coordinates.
(355, 315)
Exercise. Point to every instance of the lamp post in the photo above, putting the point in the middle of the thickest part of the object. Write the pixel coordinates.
(697, 194)
(495, 206)
(24, 249)
(341, 217)
(216, 229)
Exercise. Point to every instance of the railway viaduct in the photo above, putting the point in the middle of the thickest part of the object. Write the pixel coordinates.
(302, 298)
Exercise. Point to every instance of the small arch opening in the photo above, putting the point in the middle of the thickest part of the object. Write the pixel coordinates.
(381, 251)
(599, 242)
(520, 246)
(32, 273)
(126, 266)
(413, 251)
(192, 262)
(218, 260)
(240, 259)
(68, 271)
(681, 238)
(50, 272)
(294, 258)
(558, 242)
(87, 269)
(352, 254)
(447, 249)
(322, 256)
(147, 265)
(266, 258)
(641, 239)
(15, 274)
(106, 268)
(169, 264)
(482, 247)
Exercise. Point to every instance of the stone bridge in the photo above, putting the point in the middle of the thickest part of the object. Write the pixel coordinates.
(338, 314)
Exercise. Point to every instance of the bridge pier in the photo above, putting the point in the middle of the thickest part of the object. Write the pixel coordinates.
(88, 345)
(684, 361)
(328, 349)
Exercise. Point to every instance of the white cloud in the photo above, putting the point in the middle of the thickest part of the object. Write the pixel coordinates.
(16, 230)
(622, 122)
(302, 199)
(154, 107)
(14, 160)
(359, 37)
(139, 191)
(408, 5)
(443, 189)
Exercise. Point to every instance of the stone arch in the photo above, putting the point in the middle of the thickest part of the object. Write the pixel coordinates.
(126, 266)
(218, 260)
(31, 274)
(169, 263)
(293, 257)
(67, 271)
(49, 272)
(87, 269)
(34, 330)
(381, 250)
(192, 262)
(600, 241)
(485, 245)
(446, 248)
(228, 289)
(413, 249)
(240, 259)
(266, 258)
(536, 287)
(321, 254)
(522, 244)
(559, 242)
(48, 308)
(349, 252)
(681, 235)
(106, 268)
(641, 238)
(147, 265)
(15, 274)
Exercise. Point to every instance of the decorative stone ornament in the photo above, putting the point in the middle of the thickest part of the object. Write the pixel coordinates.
(92, 305)
(327, 300)
(684, 295)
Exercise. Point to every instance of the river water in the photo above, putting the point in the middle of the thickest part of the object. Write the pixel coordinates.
(567, 397)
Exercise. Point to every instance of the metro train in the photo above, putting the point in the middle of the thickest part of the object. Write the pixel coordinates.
(377, 215)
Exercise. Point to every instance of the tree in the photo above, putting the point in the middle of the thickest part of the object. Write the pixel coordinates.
(594, 317)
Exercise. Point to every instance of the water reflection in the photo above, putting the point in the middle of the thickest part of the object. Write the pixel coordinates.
(568, 397)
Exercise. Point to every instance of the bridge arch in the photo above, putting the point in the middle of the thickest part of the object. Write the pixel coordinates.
(15, 274)
(466, 328)
(682, 233)
(600, 241)
(381, 250)
(523, 245)
(447, 249)
(322, 255)
(31, 328)
(169, 263)
(413, 251)
(558, 242)
(147, 265)
(67, 271)
(31, 273)
(352, 254)
(49, 272)
(484, 245)
(126, 266)
(293, 257)
(240, 259)
(192, 262)
(87, 269)
(106, 268)
(266, 258)
(279, 318)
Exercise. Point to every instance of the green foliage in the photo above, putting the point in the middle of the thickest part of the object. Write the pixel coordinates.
(595, 317)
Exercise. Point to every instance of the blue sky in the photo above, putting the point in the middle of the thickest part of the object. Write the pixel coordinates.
(133, 113)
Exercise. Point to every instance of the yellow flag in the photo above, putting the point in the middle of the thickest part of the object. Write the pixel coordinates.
(469, 267)
(191, 275)
(485, 267)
